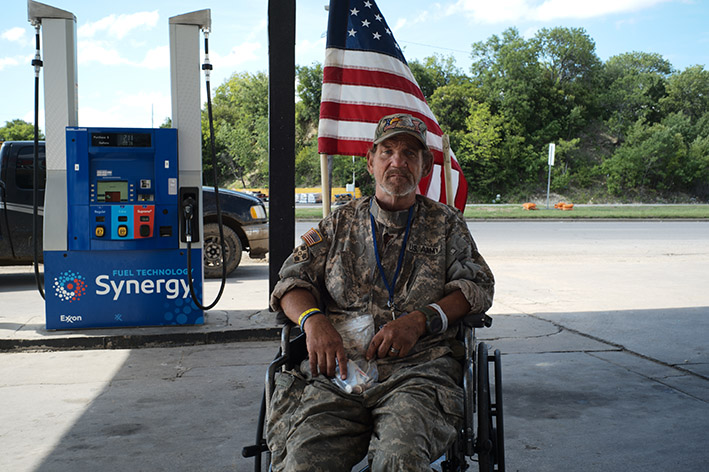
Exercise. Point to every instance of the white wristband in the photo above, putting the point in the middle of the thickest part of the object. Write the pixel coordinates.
(444, 318)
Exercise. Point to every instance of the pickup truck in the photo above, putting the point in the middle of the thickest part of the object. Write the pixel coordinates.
(244, 216)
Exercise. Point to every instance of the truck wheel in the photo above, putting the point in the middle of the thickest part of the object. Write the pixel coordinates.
(213, 251)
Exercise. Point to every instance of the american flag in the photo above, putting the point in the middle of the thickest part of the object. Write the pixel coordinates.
(366, 77)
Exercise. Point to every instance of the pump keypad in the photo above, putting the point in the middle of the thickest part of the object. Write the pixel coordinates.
(123, 222)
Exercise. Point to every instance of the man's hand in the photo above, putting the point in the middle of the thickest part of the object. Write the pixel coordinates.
(397, 337)
(324, 347)
(322, 339)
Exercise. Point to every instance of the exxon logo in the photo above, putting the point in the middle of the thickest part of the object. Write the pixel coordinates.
(69, 286)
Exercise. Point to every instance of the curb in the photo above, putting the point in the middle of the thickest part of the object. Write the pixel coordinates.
(139, 341)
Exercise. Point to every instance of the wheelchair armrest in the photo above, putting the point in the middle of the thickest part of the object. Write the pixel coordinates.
(478, 320)
(282, 319)
(291, 353)
(288, 344)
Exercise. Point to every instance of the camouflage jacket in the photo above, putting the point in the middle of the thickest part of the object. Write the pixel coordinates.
(337, 264)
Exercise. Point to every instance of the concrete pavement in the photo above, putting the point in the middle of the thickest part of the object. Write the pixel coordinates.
(602, 327)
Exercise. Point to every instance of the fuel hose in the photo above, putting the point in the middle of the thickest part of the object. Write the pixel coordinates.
(37, 64)
(207, 68)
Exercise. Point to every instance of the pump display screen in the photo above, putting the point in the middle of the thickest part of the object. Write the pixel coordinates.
(121, 139)
(112, 191)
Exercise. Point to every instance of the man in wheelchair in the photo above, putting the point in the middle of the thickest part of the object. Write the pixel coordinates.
(378, 288)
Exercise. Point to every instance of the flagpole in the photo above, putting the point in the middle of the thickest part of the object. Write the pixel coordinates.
(447, 170)
(325, 183)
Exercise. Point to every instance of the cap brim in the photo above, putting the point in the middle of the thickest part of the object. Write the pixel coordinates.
(401, 131)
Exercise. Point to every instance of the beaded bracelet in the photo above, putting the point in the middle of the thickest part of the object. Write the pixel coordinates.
(305, 315)
(442, 314)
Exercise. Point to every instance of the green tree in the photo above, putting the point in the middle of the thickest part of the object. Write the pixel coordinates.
(701, 126)
(307, 107)
(572, 68)
(562, 173)
(688, 92)
(18, 130)
(568, 55)
(633, 84)
(651, 161)
(240, 112)
(435, 72)
(698, 155)
(307, 165)
(451, 106)
(309, 88)
(544, 85)
(511, 80)
(508, 73)
(307, 113)
(479, 154)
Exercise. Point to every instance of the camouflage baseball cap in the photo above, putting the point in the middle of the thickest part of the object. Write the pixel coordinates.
(400, 123)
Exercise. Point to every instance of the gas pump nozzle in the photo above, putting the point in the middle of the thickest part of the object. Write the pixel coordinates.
(188, 212)
(189, 206)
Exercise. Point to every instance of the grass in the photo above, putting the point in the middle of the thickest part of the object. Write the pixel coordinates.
(590, 212)
(515, 211)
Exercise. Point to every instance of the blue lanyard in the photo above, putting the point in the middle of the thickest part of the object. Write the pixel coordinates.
(390, 288)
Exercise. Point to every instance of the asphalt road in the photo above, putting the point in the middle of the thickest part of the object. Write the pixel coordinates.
(602, 326)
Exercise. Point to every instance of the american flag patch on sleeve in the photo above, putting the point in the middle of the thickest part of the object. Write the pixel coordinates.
(312, 237)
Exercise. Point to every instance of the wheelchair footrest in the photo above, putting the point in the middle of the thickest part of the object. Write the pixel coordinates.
(251, 451)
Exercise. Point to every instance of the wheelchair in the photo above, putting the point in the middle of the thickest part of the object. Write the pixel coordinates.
(482, 436)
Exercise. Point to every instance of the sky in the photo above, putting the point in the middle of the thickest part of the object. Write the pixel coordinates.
(123, 47)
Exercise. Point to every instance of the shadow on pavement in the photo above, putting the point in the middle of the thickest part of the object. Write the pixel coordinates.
(170, 409)
(572, 401)
(11, 281)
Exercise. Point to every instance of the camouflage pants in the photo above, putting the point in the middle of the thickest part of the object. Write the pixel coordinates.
(404, 423)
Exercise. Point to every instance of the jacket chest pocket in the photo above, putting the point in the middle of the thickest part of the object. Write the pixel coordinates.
(349, 274)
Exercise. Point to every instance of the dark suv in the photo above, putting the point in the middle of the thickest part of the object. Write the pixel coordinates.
(244, 216)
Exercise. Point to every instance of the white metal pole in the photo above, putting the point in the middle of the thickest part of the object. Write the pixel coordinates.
(186, 104)
(61, 105)
(548, 186)
(552, 149)
(325, 183)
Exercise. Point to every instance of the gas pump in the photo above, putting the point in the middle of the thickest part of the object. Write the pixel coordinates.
(123, 265)
(122, 205)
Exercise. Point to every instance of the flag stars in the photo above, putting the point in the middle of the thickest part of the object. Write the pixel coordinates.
(365, 23)
(388, 31)
(352, 32)
(376, 35)
(378, 17)
(354, 12)
(368, 4)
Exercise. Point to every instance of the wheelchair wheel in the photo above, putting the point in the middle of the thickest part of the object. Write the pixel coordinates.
(498, 414)
(489, 444)
(483, 442)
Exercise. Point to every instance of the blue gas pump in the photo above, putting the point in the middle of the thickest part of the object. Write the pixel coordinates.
(123, 265)
(122, 210)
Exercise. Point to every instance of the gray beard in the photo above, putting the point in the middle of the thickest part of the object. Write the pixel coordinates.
(401, 193)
